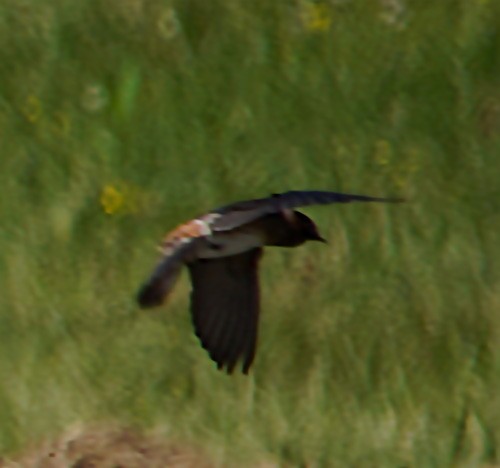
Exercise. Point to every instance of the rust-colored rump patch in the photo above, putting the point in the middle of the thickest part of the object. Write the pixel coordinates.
(189, 230)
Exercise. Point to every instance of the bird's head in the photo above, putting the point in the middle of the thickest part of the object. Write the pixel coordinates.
(308, 229)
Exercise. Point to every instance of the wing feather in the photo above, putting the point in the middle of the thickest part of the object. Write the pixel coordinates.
(154, 291)
(240, 213)
(225, 307)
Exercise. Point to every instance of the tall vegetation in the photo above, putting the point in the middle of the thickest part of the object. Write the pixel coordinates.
(121, 119)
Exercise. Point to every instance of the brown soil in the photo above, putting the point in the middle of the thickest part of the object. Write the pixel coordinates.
(109, 448)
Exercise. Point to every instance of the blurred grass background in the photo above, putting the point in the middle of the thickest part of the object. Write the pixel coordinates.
(120, 119)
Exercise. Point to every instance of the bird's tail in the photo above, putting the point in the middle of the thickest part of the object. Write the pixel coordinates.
(161, 282)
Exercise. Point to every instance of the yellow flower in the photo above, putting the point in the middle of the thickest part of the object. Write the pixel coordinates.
(112, 200)
(123, 198)
(316, 16)
(32, 109)
(399, 180)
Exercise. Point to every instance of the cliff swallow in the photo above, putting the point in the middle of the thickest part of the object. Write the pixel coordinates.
(222, 250)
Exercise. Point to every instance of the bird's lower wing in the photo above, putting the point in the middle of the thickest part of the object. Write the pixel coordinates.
(238, 214)
(225, 307)
(154, 291)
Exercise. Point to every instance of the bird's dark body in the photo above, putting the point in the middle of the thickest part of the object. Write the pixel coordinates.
(222, 250)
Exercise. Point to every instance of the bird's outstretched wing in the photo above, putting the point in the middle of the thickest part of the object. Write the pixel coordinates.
(154, 291)
(240, 213)
(225, 307)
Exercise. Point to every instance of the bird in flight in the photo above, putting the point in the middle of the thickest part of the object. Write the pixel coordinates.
(222, 250)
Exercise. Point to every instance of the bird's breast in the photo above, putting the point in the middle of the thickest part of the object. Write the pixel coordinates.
(227, 244)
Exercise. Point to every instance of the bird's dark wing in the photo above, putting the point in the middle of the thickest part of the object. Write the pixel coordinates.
(154, 291)
(240, 213)
(225, 307)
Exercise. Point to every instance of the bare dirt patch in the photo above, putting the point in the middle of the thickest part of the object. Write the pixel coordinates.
(109, 448)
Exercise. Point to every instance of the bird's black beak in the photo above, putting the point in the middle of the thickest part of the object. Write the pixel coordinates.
(320, 239)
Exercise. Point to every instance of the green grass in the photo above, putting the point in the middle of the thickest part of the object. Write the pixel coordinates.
(380, 349)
